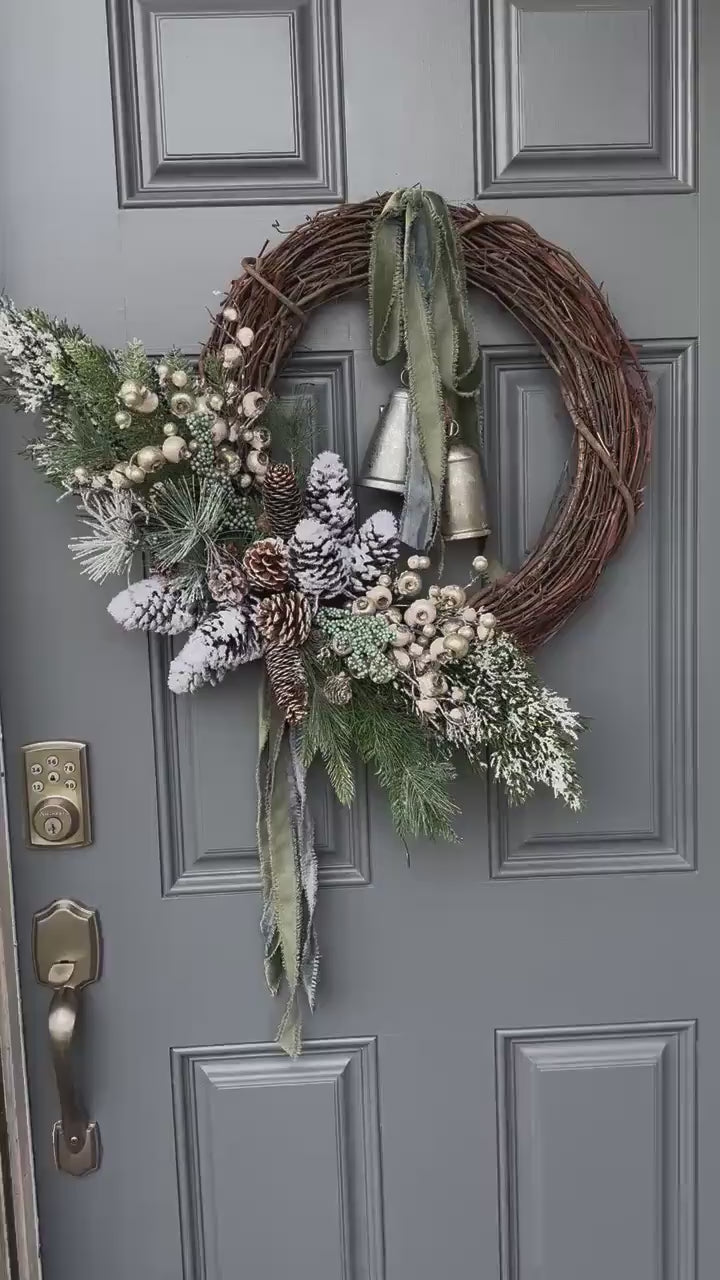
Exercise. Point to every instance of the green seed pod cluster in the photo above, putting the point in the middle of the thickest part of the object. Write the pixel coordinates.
(361, 641)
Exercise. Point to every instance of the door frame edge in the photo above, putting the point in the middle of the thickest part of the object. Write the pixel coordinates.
(19, 1230)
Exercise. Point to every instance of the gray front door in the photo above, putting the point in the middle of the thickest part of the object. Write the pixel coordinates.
(501, 1080)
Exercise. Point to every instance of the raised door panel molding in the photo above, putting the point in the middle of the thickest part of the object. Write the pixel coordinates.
(206, 744)
(596, 1152)
(627, 661)
(233, 102)
(313, 1160)
(576, 98)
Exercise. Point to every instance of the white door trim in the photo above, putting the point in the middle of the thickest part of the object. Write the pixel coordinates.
(19, 1236)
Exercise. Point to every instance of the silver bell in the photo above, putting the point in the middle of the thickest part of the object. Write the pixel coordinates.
(386, 458)
(464, 513)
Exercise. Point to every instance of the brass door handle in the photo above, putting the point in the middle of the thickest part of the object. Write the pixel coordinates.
(67, 952)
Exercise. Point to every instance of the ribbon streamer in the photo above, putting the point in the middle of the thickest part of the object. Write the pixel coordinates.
(304, 837)
(419, 305)
(417, 520)
(288, 868)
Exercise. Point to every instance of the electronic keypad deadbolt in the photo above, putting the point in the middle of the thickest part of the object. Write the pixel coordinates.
(57, 795)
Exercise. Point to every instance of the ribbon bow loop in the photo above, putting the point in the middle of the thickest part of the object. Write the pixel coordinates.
(418, 303)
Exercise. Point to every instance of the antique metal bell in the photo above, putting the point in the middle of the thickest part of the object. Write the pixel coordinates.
(386, 458)
(464, 513)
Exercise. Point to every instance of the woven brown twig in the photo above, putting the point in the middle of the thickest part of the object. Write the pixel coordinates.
(603, 386)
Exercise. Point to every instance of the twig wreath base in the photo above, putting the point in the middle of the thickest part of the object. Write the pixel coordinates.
(603, 386)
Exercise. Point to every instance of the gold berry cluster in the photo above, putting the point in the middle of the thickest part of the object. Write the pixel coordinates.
(207, 428)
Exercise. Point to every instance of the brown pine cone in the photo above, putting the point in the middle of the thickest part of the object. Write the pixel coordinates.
(287, 681)
(338, 689)
(284, 618)
(266, 565)
(226, 581)
(282, 499)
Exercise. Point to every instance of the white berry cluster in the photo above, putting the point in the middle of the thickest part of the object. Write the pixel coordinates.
(429, 634)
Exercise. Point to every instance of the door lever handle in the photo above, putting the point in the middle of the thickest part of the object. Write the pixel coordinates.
(67, 953)
(75, 1138)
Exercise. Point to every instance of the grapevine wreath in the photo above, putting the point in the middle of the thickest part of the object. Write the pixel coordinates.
(200, 479)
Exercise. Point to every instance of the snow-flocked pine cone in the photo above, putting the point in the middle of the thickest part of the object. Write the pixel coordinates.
(318, 562)
(266, 565)
(282, 499)
(284, 618)
(287, 681)
(329, 496)
(375, 550)
(153, 604)
(226, 581)
(221, 643)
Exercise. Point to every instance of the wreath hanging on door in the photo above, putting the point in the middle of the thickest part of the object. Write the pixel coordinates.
(253, 548)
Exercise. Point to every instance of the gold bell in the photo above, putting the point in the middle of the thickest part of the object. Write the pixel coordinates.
(464, 513)
(385, 462)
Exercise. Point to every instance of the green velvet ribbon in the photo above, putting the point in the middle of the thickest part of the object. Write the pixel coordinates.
(419, 305)
(288, 868)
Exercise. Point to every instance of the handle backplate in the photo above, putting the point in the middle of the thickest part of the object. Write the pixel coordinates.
(66, 945)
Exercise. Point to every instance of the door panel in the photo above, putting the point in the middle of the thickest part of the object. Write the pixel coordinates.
(228, 1099)
(597, 1117)
(500, 1080)
(578, 98)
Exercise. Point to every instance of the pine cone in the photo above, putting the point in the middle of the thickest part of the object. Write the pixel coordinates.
(284, 619)
(374, 551)
(282, 499)
(153, 604)
(226, 581)
(221, 643)
(338, 689)
(287, 680)
(329, 497)
(318, 562)
(266, 565)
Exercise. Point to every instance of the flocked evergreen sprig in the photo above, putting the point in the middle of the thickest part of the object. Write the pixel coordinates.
(188, 518)
(116, 523)
(527, 732)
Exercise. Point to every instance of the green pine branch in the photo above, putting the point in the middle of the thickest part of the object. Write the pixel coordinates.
(327, 732)
(290, 420)
(410, 766)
